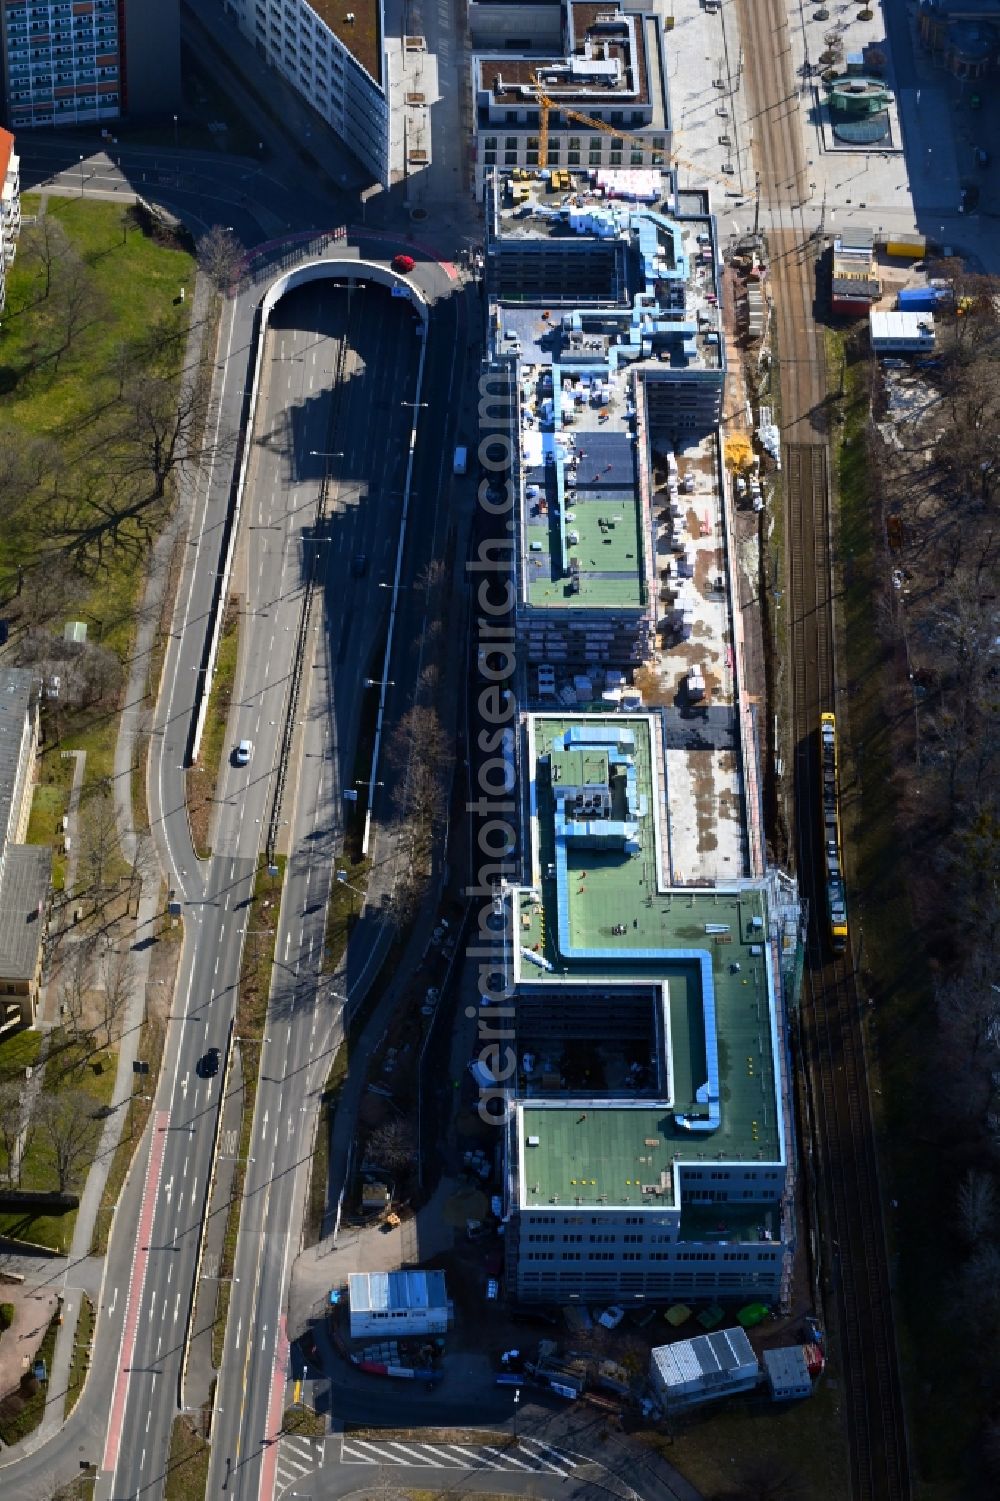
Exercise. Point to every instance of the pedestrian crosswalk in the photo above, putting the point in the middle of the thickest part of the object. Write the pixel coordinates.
(523, 1454)
(296, 1457)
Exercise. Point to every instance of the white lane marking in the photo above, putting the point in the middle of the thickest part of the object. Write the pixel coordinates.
(148, 1416)
(507, 1458)
(413, 1453)
(186, 1161)
(114, 1300)
(177, 1304)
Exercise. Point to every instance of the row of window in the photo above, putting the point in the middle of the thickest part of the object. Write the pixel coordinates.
(646, 1284)
(713, 1256)
(637, 156)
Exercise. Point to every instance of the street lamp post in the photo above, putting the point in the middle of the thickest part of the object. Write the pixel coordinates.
(343, 881)
(517, 1403)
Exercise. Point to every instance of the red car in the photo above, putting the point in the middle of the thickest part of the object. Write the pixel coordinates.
(404, 263)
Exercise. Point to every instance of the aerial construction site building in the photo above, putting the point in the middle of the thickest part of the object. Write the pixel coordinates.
(644, 945)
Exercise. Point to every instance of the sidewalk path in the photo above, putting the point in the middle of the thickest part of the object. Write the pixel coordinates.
(143, 937)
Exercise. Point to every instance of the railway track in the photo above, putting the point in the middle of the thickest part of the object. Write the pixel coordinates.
(857, 1268)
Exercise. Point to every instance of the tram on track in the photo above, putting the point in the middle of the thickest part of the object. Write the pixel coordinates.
(833, 864)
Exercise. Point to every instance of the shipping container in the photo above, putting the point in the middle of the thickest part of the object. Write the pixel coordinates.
(920, 299)
(907, 247)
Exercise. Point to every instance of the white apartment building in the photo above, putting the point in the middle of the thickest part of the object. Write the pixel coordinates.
(334, 56)
(10, 208)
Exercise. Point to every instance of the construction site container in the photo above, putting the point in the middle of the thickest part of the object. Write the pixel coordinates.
(920, 299)
(907, 247)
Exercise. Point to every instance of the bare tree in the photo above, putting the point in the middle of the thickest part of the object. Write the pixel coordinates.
(420, 754)
(46, 244)
(99, 838)
(392, 1146)
(26, 463)
(66, 1119)
(117, 976)
(73, 987)
(15, 1129)
(976, 1201)
(163, 428)
(79, 302)
(220, 256)
(969, 1031)
(97, 675)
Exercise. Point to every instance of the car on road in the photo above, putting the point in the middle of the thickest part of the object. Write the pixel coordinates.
(243, 752)
(404, 263)
(208, 1065)
(359, 565)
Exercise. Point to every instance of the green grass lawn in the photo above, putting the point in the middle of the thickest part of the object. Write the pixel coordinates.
(137, 1113)
(344, 908)
(187, 1467)
(799, 1442)
(49, 806)
(203, 779)
(303, 1420)
(70, 1066)
(18, 1051)
(80, 1362)
(82, 530)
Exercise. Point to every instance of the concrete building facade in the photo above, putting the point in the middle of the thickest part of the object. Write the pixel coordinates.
(10, 208)
(25, 870)
(610, 67)
(334, 56)
(72, 62)
(649, 1132)
(644, 1069)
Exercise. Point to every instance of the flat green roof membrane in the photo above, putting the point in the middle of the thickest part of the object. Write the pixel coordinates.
(577, 768)
(645, 934)
(609, 555)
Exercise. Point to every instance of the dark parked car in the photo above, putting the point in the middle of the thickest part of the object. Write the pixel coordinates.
(359, 565)
(208, 1066)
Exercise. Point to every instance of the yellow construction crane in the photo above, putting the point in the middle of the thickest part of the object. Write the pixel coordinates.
(546, 105)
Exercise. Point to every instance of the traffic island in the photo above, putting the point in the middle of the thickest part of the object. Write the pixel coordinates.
(187, 1468)
(203, 777)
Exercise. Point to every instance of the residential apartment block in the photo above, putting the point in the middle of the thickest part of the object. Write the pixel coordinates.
(70, 62)
(603, 91)
(10, 208)
(334, 56)
(25, 869)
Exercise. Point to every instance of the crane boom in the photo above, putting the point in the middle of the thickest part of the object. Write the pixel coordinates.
(547, 104)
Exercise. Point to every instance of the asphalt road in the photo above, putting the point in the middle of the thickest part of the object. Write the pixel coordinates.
(369, 430)
(359, 433)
